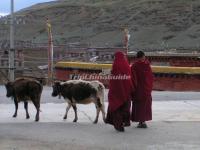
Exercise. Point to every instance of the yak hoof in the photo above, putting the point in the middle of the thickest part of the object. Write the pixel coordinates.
(15, 115)
(75, 120)
(65, 117)
(95, 122)
(37, 119)
(27, 117)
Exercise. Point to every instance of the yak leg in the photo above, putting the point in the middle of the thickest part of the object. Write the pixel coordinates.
(26, 108)
(98, 108)
(102, 108)
(67, 109)
(75, 111)
(37, 106)
(97, 115)
(16, 107)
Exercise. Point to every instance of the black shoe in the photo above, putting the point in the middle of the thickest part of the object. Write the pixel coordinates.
(142, 125)
(120, 129)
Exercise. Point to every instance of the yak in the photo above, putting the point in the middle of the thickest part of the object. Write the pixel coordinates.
(24, 90)
(81, 92)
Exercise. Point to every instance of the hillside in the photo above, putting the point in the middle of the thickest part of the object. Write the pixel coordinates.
(154, 24)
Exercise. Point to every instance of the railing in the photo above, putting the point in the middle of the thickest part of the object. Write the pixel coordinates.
(19, 60)
(4, 64)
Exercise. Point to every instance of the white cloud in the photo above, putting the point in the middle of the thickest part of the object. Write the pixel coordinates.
(3, 14)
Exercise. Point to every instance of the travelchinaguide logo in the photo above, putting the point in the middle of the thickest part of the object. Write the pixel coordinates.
(98, 77)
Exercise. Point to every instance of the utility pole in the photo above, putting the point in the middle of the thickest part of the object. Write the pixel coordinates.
(50, 52)
(126, 39)
(12, 49)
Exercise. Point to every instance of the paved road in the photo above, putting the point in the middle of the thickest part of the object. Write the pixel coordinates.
(175, 126)
(86, 136)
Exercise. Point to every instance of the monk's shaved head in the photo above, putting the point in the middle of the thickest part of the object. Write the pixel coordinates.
(140, 54)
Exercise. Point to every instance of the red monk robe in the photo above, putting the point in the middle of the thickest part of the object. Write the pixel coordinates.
(119, 96)
(143, 83)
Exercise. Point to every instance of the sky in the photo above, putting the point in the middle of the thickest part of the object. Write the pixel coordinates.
(19, 4)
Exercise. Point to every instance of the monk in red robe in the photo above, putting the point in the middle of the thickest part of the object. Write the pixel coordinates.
(142, 77)
(119, 95)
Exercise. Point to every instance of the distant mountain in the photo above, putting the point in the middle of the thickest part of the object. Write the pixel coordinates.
(153, 24)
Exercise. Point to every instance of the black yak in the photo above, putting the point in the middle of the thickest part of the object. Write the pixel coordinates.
(25, 89)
